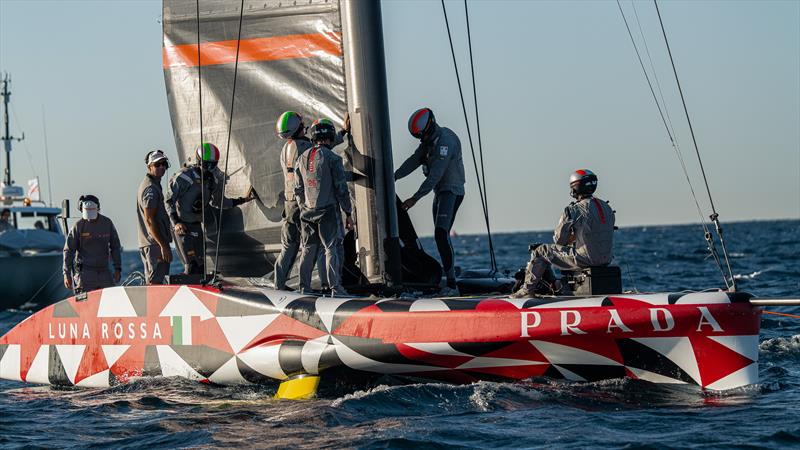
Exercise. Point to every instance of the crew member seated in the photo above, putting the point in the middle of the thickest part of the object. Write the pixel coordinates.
(583, 238)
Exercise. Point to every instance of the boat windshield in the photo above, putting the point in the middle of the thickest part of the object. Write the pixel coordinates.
(37, 221)
(32, 218)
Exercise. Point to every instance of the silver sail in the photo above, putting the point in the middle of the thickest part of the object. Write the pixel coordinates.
(291, 57)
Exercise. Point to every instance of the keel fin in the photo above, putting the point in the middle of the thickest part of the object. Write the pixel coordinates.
(298, 387)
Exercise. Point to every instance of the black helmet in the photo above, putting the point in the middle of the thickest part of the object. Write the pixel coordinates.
(421, 122)
(322, 129)
(87, 198)
(582, 183)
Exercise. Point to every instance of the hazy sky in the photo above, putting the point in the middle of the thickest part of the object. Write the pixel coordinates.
(558, 84)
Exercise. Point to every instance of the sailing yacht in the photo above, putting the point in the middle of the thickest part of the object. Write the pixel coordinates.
(234, 68)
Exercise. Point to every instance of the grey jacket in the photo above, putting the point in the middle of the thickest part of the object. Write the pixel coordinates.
(89, 244)
(591, 222)
(320, 180)
(183, 200)
(441, 161)
(150, 195)
(291, 150)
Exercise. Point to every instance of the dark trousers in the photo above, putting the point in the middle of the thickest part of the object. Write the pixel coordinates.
(445, 208)
(190, 248)
(88, 279)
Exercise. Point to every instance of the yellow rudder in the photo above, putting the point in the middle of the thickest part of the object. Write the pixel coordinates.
(298, 387)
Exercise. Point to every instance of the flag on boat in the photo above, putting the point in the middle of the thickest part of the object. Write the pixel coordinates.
(33, 189)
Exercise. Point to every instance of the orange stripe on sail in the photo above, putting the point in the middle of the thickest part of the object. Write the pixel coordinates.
(257, 49)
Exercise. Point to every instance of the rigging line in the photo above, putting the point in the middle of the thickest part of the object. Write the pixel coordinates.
(466, 119)
(714, 215)
(480, 141)
(793, 316)
(655, 74)
(202, 170)
(665, 112)
(228, 146)
(707, 234)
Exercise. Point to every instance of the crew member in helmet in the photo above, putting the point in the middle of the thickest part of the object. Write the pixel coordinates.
(290, 127)
(188, 191)
(91, 242)
(321, 191)
(439, 154)
(153, 222)
(584, 236)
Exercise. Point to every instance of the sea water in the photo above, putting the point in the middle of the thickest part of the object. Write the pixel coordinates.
(620, 413)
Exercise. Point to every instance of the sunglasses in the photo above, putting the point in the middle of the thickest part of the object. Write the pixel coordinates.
(161, 164)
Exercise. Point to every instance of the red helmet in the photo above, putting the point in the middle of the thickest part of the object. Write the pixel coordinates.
(421, 122)
(582, 183)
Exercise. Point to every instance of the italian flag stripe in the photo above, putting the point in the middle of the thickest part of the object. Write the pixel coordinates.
(181, 330)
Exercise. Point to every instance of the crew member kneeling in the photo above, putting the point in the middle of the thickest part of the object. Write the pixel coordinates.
(321, 190)
(584, 236)
(89, 244)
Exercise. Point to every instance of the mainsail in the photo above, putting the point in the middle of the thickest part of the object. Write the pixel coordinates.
(307, 58)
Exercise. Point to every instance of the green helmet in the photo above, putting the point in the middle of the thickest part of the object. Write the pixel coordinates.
(288, 124)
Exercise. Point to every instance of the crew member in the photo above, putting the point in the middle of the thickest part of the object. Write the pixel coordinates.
(584, 236)
(321, 190)
(153, 222)
(5, 220)
(439, 154)
(89, 244)
(291, 128)
(185, 202)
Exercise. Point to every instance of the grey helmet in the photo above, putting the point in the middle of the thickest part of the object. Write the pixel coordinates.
(582, 183)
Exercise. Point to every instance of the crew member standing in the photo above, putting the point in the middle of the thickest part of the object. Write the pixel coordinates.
(185, 201)
(439, 154)
(584, 236)
(321, 190)
(89, 244)
(290, 127)
(153, 222)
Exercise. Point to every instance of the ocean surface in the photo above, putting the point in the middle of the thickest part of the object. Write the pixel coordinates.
(537, 413)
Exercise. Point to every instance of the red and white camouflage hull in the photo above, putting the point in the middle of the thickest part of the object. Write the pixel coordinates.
(249, 335)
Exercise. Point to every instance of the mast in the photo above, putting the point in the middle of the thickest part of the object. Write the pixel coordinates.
(7, 138)
(376, 216)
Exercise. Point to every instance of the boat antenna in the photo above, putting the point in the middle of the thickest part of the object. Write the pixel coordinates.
(484, 205)
(202, 170)
(714, 215)
(7, 137)
(47, 161)
(228, 145)
(664, 113)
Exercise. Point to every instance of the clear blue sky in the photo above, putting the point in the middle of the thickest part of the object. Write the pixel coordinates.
(558, 83)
